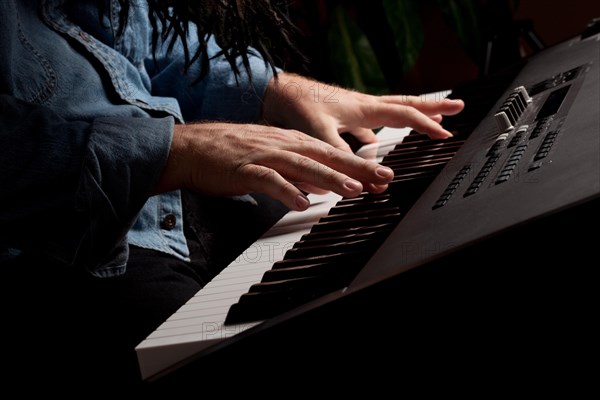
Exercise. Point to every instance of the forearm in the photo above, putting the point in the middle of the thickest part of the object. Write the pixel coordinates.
(290, 98)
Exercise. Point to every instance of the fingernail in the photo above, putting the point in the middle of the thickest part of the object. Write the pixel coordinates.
(302, 202)
(384, 172)
(353, 185)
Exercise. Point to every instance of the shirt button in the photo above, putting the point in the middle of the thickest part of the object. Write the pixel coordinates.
(168, 222)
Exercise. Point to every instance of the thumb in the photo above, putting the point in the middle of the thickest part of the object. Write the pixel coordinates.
(330, 135)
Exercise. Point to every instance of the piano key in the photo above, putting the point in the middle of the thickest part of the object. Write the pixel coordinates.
(327, 233)
(420, 160)
(308, 240)
(356, 222)
(256, 305)
(322, 258)
(361, 198)
(306, 270)
(341, 246)
(358, 214)
(364, 205)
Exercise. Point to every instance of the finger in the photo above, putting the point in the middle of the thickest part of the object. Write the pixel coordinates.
(369, 187)
(437, 118)
(265, 180)
(426, 106)
(308, 188)
(329, 134)
(364, 135)
(401, 116)
(375, 189)
(347, 163)
(298, 168)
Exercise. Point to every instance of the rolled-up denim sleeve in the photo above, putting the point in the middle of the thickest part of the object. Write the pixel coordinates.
(219, 96)
(72, 189)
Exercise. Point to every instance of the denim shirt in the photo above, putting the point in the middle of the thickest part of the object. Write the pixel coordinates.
(86, 122)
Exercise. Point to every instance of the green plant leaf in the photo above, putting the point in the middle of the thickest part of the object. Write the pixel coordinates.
(352, 58)
(404, 18)
(461, 16)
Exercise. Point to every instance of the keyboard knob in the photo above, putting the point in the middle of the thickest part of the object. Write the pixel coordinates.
(517, 103)
(503, 122)
(522, 93)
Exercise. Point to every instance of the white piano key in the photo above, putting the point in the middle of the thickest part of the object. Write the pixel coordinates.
(184, 330)
(230, 286)
(195, 321)
(196, 313)
(219, 295)
(210, 331)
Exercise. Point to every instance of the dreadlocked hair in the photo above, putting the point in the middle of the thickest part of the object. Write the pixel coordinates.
(238, 26)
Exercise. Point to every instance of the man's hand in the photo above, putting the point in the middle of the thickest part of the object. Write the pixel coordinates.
(322, 111)
(232, 159)
(302, 149)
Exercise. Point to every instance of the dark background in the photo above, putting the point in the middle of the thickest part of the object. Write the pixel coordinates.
(442, 61)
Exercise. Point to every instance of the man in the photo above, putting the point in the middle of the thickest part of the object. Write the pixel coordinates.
(112, 112)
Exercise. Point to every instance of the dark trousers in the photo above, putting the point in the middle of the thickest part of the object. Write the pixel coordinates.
(62, 326)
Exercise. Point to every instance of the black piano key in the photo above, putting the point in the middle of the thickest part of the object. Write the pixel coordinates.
(341, 257)
(416, 144)
(352, 141)
(299, 283)
(358, 214)
(364, 205)
(328, 233)
(420, 160)
(415, 159)
(399, 164)
(408, 177)
(268, 299)
(427, 145)
(256, 306)
(316, 250)
(362, 197)
(356, 222)
(406, 171)
(308, 240)
(300, 271)
(424, 145)
(414, 153)
(414, 136)
(406, 181)
(261, 306)
(277, 279)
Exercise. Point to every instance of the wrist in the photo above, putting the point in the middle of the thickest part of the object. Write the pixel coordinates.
(283, 99)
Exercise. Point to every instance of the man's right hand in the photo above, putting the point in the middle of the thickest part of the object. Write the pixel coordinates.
(224, 159)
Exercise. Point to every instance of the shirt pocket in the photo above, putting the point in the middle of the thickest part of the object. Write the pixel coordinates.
(34, 78)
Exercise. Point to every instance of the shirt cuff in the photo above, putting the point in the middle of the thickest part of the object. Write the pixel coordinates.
(124, 161)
